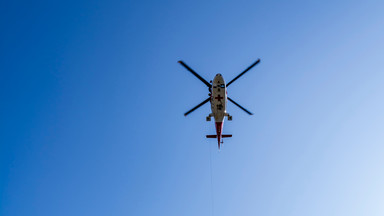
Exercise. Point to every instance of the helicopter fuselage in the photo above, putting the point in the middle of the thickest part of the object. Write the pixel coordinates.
(218, 106)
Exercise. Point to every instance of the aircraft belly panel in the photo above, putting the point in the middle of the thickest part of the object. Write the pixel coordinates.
(219, 99)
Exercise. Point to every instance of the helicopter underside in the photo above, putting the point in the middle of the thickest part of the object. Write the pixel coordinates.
(218, 99)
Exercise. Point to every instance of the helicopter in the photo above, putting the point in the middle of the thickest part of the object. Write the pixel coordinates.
(218, 98)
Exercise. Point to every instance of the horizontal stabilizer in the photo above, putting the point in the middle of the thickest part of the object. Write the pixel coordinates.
(223, 136)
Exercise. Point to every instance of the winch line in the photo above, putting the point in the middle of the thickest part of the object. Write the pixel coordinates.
(210, 165)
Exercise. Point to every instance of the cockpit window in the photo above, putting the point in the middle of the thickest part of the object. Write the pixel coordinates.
(222, 86)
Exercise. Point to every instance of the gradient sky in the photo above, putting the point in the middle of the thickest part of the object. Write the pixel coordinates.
(92, 103)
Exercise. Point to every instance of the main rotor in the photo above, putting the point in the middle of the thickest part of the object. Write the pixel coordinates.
(209, 85)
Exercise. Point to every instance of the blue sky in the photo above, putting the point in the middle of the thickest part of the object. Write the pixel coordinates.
(93, 99)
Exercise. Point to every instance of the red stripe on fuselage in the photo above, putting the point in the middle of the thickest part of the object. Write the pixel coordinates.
(219, 128)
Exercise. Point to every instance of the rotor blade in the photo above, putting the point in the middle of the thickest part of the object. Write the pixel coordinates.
(239, 106)
(194, 108)
(194, 73)
(256, 62)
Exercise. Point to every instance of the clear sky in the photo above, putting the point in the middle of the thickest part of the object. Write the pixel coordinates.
(92, 103)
